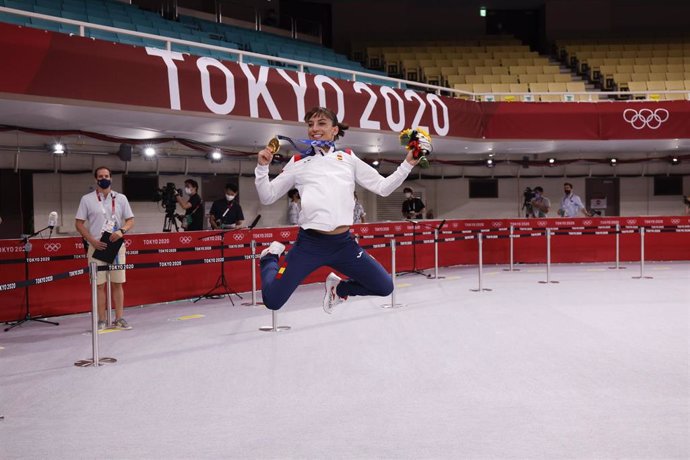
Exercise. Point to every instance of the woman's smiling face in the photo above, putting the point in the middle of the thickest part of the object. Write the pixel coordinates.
(321, 128)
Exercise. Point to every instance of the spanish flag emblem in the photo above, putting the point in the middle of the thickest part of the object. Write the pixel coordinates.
(281, 270)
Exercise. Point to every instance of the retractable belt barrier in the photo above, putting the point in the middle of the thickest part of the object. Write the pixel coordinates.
(442, 236)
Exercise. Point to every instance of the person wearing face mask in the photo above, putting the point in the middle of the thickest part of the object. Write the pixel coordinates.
(325, 176)
(294, 206)
(227, 212)
(540, 204)
(412, 207)
(194, 207)
(571, 204)
(105, 210)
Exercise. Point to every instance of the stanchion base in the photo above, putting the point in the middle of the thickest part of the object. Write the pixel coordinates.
(90, 362)
(643, 277)
(432, 277)
(509, 270)
(391, 305)
(617, 268)
(549, 282)
(249, 304)
(274, 329)
(480, 290)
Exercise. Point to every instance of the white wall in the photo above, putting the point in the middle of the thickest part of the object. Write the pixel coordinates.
(448, 198)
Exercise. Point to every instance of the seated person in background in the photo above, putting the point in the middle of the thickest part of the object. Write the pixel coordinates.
(412, 207)
(227, 212)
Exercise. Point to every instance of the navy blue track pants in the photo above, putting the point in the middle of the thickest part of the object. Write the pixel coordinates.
(313, 250)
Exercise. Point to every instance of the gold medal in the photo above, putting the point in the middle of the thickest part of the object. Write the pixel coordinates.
(273, 145)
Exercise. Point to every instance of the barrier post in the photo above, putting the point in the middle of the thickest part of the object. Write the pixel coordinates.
(511, 237)
(252, 244)
(481, 264)
(96, 360)
(393, 276)
(642, 275)
(108, 299)
(618, 249)
(274, 327)
(548, 258)
(436, 256)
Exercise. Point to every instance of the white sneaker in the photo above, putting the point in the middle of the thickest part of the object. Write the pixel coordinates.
(331, 298)
(275, 248)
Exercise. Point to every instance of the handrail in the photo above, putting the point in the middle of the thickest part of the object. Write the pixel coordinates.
(398, 83)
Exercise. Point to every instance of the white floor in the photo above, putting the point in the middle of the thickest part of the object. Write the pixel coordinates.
(593, 367)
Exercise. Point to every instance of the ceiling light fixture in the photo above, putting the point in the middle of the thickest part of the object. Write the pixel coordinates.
(613, 161)
(149, 152)
(552, 161)
(490, 163)
(58, 148)
(674, 161)
(215, 156)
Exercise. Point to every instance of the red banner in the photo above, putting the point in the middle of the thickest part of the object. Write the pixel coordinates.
(172, 266)
(54, 65)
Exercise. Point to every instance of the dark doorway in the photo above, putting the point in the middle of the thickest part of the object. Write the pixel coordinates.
(603, 195)
(17, 214)
(525, 25)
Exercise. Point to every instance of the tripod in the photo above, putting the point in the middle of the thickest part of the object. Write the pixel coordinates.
(27, 314)
(169, 222)
(414, 270)
(221, 281)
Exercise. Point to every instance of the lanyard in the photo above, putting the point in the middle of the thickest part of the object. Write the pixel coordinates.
(229, 206)
(112, 196)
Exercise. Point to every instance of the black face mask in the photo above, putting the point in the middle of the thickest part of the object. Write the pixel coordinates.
(104, 183)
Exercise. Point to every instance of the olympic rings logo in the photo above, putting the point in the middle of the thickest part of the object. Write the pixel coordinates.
(542, 223)
(398, 228)
(52, 247)
(587, 222)
(185, 239)
(364, 229)
(496, 224)
(238, 236)
(646, 118)
(285, 234)
(675, 221)
(127, 243)
(631, 221)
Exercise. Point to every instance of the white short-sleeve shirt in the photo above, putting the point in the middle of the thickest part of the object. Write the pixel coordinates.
(95, 209)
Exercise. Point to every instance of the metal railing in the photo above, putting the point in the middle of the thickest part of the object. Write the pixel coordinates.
(354, 75)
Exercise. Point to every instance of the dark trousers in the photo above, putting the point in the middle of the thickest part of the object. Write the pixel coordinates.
(313, 250)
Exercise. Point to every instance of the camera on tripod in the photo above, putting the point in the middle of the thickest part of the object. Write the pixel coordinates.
(166, 195)
(528, 195)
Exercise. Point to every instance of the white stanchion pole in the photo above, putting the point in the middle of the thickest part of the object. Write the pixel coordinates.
(436, 255)
(274, 324)
(511, 236)
(642, 275)
(548, 258)
(253, 248)
(393, 276)
(96, 360)
(109, 298)
(480, 238)
(618, 250)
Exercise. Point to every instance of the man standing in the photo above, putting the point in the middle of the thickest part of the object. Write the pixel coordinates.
(294, 206)
(540, 204)
(571, 204)
(194, 207)
(106, 211)
(412, 207)
(227, 212)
